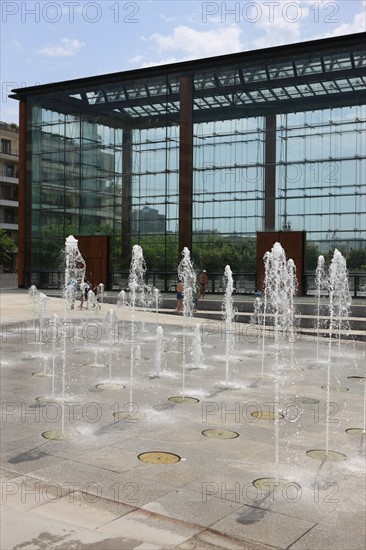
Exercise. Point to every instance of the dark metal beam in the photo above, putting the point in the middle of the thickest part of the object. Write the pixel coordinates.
(185, 163)
(270, 174)
(22, 230)
(126, 198)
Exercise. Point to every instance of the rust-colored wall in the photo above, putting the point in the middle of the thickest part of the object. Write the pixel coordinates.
(293, 243)
(95, 251)
(185, 163)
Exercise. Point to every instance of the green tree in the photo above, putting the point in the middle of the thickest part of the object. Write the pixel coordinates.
(214, 252)
(7, 246)
(311, 256)
(52, 244)
(356, 259)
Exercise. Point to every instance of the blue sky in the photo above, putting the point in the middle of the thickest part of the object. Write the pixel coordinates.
(50, 41)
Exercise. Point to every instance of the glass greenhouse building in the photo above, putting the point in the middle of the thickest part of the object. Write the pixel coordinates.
(208, 154)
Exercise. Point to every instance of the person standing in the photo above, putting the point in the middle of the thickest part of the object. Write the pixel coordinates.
(180, 296)
(85, 286)
(202, 281)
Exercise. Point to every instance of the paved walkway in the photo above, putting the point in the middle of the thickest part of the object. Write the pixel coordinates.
(243, 478)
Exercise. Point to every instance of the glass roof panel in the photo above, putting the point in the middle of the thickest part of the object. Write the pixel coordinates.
(157, 88)
(360, 58)
(172, 107)
(280, 93)
(330, 87)
(226, 85)
(204, 80)
(114, 93)
(305, 90)
(173, 83)
(202, 104)
(95, 97)
(136, 90)
(308, 66)
(281, 70)
(292, 91)
(257, 96)
(131, 111)
(337, 62)
(317, 88)
(223, 100)
(254, 74)
(268, 94)
(357, 82)
(228, 77)
(344, 85)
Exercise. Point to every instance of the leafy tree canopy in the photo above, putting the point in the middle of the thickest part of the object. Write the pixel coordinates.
(7, 246)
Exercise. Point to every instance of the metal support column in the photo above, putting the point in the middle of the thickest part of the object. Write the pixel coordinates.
(185, 163)
(22, 188)
(126, 197)
(270, 174)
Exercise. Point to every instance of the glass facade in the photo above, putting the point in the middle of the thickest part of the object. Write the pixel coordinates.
(321, 167)
(112, 155)
(228, 192)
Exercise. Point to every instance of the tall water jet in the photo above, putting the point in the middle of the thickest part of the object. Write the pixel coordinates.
(321, 282)
(42, 304)
(61, 434)
(33, 296)
(100, 295)
(74, 270)
(197, 354)
(122, 300)
(54, 332)
(289, 322)
(339, 304)
(341, 296)
(122, 304)
(147, 301)
(187, 276)
(159, 350)
(266, 259)
(136, 283)
(256, 319)
(228, 314)
(111, 322)
(279, 293)
(157, 304)
(92, 302)
(74, 262)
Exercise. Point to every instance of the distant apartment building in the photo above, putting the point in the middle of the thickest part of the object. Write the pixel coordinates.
(9, 173)
(148, 221)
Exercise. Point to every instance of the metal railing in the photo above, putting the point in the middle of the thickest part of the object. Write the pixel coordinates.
(165, 281)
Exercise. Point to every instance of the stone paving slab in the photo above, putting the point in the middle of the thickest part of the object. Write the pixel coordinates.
(263, 526)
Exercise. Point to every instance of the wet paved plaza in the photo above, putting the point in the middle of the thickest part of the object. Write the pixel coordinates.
(271, 457)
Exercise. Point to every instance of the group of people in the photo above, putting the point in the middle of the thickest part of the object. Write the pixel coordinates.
(198, 291)
(80, 288)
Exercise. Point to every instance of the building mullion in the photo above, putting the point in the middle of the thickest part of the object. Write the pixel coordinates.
(270, 173)
(185, 162)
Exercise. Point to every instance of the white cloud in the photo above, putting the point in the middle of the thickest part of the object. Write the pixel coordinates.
(16, 44)
(165, 61)
(287, 22)
(281, 25)
(358, 25)
(67, 47)
(136, 60)
(194, 44)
